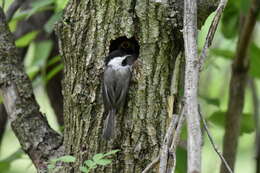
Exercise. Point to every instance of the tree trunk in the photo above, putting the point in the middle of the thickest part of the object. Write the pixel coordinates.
(86, 34)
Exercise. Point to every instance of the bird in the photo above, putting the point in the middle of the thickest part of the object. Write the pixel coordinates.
(116, 80)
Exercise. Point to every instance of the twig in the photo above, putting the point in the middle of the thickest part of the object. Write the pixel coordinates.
(212, 31)
(167, 141)
(152, 164)
(176, 122)
(13, 8)
(213, 144)
(176, 138)
(256, 117)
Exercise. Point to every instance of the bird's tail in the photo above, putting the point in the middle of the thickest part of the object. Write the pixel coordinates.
(109, 125)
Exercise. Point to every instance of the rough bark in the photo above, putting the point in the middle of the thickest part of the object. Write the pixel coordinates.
(85, 35)
(238, 83)
(37, 139)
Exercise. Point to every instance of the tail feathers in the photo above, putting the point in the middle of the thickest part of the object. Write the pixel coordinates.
(109, 125)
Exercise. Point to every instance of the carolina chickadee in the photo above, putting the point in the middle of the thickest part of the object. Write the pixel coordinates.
(116, 80)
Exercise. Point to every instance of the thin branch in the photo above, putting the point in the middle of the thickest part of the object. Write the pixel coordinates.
(213, 143)
(13, 8)
(237, 87)
(170, 136)
(166, 144)
(176, 138)
(191, 86)
(151, 165)
(212, 31)
(256, 117)
(36, 137)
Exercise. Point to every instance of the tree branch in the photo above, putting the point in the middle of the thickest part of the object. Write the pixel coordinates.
(191, 86)
(37, 139)
(237, 88)
(13, 8)
(212, 31)
(166, 144)
(171, 140)
(213, 144)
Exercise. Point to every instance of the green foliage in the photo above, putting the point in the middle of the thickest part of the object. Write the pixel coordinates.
(247, 122)
(98, 159)
(181, 162)
(211, 101)
(254, 53)
(40, 5)
(26, 39)
(64, 159)
(231, 17)
(5, 164)
(36, 57)
(225, 53)
(49, 26)
(60, 4)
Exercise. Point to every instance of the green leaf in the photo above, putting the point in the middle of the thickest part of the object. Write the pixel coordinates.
(247, 125)
(49, 26)
(90, 163)
(225, 53)
(66, 159)
(60, 4)
(5, 166)
(181, 162)
(98, 157)
(230, 19)
(40, 5)
(51, 166)
(43, 50)
(36, 57)
(26, 39)
(54, 60)
(103, 162)
(111, 152)
(83, 169)
(211, 101)
(53, 72)
(16, 155)
(218, 118)
(254, 53)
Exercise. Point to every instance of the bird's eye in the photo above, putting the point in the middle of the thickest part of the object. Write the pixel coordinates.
(125, 45)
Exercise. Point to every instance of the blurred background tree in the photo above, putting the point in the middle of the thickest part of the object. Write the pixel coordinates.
(33, 28)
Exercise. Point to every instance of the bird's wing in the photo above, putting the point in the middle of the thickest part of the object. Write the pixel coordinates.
(109, 87)
(122, 86)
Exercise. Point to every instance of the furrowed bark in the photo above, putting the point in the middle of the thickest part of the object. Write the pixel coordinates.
(87, 29)
(37, 139)
(237, 89)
